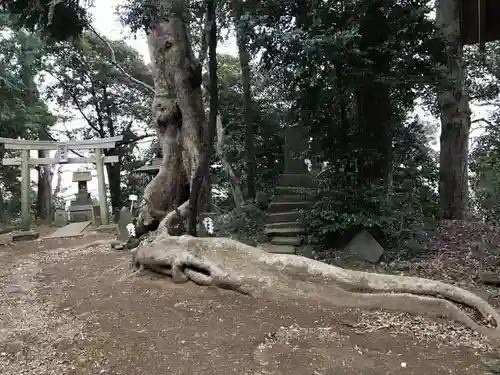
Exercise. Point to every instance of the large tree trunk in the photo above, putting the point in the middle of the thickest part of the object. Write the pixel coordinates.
(179, 117)
(455, 116)
(244, 57)
(44, 193)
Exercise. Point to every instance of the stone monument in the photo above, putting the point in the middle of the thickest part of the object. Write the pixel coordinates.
(296, 142)
(60, 218)
(81, 208)
(123, 223)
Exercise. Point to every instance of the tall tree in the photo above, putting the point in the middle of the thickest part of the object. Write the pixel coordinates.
(178, 111)
(455, 115)
(22, 113)
(110, 103)
(242, 29)
(30, 61)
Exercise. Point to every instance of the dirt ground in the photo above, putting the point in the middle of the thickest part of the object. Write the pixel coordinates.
(65, 310)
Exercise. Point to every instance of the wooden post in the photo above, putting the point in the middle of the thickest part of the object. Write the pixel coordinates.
(25, 191)
(101, 184)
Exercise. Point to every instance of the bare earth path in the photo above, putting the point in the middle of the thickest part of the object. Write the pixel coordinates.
(74, 312)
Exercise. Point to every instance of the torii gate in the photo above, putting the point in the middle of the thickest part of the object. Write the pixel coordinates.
(61, 158)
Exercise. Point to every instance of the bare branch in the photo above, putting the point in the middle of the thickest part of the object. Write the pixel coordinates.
(489, 123)
(55, 140)
(115, 63)
(202, 55)
(135, 139)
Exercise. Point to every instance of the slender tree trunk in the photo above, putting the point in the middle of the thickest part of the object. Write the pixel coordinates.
(44, 193)
(233, 178)
(4, 215)
(57, 188)
(455, 116)
(114, 177)
(203, 170)
(179, 117)
(244, 57)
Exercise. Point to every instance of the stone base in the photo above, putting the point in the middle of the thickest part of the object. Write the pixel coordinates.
(25, 236)
(80, 213)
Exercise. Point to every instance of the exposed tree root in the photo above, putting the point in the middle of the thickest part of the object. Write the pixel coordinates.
(111, 243)
(229, 264)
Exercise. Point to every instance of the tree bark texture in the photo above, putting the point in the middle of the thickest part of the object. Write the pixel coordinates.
(178, 114)
(455, 116)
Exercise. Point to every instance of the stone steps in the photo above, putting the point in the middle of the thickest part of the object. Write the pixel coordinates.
(292, 230)
(291, 198)
(282, 217)
(297, 180)
(295, 192)
(281, 207)
(290, 241)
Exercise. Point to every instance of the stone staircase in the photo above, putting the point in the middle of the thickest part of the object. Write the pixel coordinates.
(294, 193)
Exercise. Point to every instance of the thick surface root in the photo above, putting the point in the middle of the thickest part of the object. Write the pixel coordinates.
(229, 264)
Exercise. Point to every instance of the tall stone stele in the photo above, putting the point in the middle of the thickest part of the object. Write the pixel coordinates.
(80, 208)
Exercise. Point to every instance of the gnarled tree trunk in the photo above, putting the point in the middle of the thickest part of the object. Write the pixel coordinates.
(455, 116)
(179, 117)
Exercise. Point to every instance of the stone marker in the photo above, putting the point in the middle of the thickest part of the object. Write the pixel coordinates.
(365, 247)
(96, 215)
(60, 218)
(29, 235)
(125, 219)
